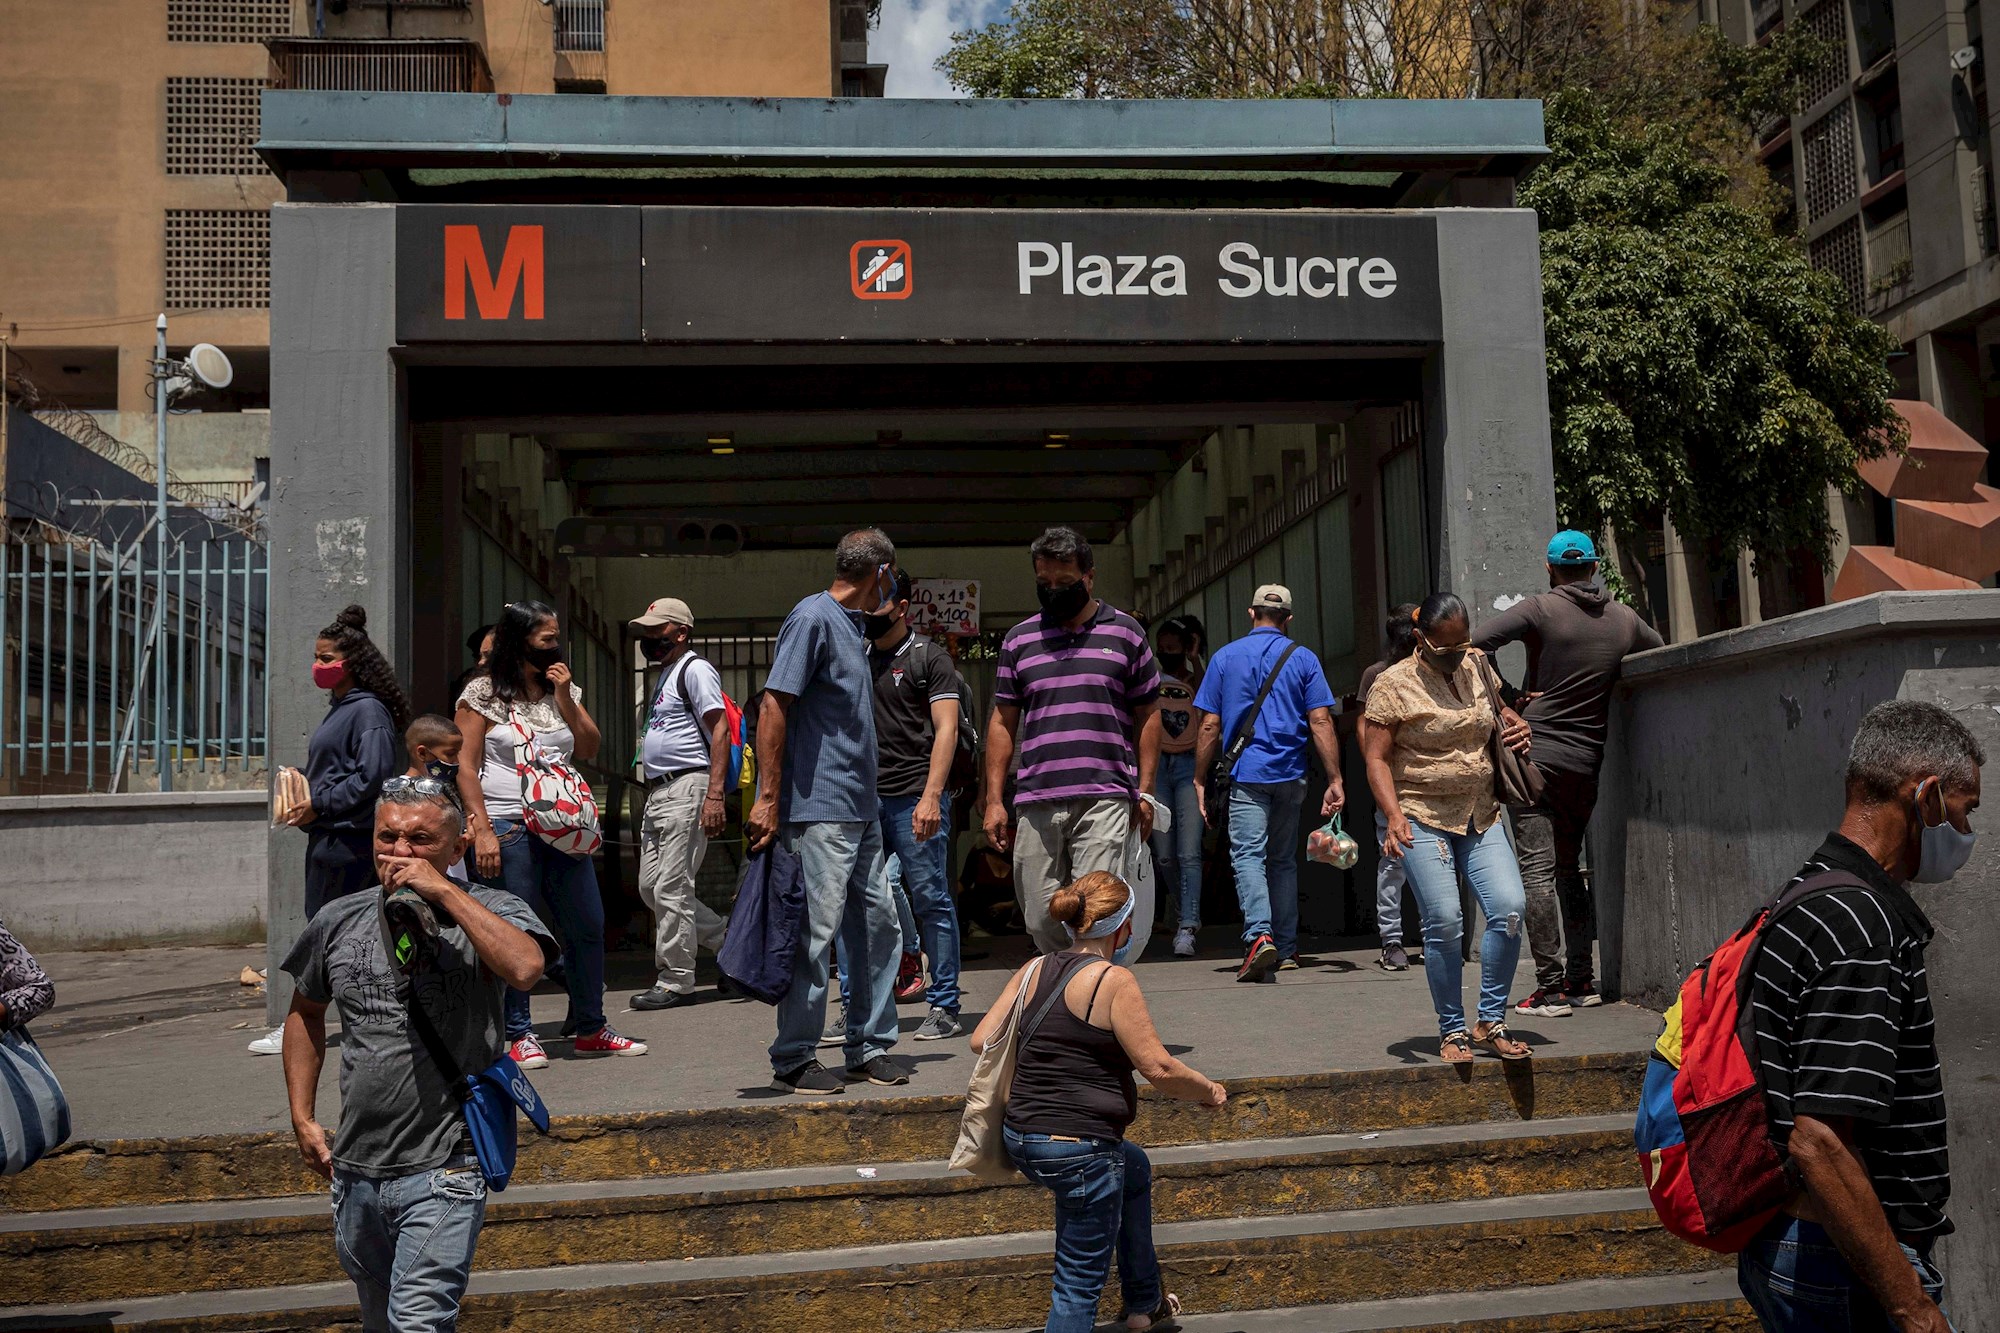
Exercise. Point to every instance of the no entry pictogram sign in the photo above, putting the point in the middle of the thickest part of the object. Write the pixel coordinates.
(880, 270)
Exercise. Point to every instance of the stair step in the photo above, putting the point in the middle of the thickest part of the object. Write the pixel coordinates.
(789, 1134)
(1704, 1302)
(1297, 1259)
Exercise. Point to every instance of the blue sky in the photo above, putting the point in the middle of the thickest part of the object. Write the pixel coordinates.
(914, 33)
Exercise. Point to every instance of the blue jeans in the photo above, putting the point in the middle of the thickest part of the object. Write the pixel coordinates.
(407, 1242)
(1178, 853)
(847, 895)
(1104, 1205)
(1389, 880)
(1432, 864)
(1797, 1282)
(906, 926)
(1264, 849)
(927, 882)
(562, 889)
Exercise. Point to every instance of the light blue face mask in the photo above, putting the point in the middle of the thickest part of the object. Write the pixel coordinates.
(1943, 849)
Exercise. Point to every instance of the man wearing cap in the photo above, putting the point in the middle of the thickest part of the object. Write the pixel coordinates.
(1577, 637)
(684, 755)
(1268, 781)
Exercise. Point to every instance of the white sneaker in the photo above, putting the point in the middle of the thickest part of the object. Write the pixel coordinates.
(271, 1043)
(1184, 942)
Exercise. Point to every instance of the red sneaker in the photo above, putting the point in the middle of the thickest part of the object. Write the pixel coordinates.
(1260, 961)
(528, 1053)
(1583, 995)
(910, 978)
(606, 1042)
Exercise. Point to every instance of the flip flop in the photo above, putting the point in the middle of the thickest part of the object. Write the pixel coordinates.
(1496, 1035)
(1456, 1049)
(1164, 1319)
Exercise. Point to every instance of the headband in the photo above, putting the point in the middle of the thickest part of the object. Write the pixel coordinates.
(1109, 925)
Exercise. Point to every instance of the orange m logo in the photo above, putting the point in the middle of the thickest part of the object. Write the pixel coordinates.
(520, 265)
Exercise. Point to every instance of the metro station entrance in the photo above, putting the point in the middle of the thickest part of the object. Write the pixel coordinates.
(611, 398)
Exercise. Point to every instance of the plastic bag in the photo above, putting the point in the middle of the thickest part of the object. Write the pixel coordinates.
(1330, 845)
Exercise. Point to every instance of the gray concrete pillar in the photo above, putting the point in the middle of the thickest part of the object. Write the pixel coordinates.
(1681, 622)
(1489, 481)
(338, 478)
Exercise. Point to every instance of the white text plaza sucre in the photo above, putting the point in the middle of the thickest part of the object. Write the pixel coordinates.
(1244, 273)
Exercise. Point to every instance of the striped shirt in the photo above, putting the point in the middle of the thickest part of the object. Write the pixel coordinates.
(1841, 1009)
(1078, 691)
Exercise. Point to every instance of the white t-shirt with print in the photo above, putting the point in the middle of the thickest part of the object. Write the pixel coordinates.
(498, 778)
(674, 738)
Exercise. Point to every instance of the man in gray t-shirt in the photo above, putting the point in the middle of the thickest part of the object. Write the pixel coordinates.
(816, 791)
(408, 1197)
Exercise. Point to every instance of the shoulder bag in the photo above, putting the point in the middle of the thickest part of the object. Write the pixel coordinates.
(1222, 775)
(487, 1101)
(556, 803)
(34, 1114)
(981, 1149)
(1516, 780)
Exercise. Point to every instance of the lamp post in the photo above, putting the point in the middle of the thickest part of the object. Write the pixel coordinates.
(160, 372)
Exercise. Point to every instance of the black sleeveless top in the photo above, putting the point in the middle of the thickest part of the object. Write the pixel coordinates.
(1071, 1078)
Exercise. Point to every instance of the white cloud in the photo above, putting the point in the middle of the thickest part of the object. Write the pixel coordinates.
(914, 33)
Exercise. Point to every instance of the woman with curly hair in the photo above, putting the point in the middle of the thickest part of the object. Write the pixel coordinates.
(357, 748)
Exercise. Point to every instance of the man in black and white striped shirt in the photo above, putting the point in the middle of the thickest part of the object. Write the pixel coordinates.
(1847, 1047)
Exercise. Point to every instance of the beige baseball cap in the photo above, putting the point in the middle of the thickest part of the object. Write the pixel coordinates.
(666, 611)
(1272, 597)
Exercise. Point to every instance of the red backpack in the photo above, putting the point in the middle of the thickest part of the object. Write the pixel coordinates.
(1704, 1133)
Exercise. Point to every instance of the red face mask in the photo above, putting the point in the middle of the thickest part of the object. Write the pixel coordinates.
(328, 675)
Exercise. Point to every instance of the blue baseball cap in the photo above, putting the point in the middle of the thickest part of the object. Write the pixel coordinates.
(1570, 547)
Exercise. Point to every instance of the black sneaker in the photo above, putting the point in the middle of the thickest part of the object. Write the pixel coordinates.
(811, 1079)
(659, 997)
(1260, 961)
(883, 1070)
(1583, 995)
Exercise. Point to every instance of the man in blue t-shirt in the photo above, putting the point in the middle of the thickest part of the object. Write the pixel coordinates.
(1269, 779)
(816, 759)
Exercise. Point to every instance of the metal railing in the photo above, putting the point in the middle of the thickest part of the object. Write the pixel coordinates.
(224, 501)
(82, 624)
(1889, 260)
(344, 64)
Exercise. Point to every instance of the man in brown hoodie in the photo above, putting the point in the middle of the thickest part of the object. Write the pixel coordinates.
(1577, 637)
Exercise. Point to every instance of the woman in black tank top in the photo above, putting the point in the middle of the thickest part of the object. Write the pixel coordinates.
(1084, 1031)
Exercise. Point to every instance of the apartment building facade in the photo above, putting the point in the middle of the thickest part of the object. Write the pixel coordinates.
(134, 187)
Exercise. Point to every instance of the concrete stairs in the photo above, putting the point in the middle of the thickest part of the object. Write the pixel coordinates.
(1390, 1199)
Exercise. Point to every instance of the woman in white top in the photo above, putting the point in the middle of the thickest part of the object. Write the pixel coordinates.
(526, 697)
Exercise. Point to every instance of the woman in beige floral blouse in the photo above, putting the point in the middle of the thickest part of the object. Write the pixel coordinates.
(1430, 720)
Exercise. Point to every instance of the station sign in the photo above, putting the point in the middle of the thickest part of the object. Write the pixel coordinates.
(687, 274)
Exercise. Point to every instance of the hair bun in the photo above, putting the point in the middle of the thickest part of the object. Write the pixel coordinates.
(1066, 905)
(354, 617)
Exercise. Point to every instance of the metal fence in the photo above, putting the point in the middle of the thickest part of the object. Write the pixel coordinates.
(83, 624)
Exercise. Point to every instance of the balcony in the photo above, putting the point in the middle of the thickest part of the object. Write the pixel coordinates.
(579, 39)
(380, 65)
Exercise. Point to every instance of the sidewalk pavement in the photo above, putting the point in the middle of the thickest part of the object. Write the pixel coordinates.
(150, 1043)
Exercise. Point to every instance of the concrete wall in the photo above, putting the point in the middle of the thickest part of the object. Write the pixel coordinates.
(88, 872)
(1725, 773)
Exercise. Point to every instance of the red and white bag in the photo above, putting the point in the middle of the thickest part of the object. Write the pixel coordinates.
(556, 803)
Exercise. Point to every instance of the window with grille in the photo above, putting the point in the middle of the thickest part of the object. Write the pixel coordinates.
(212, 127)
(1827, 21)
(218, 258)
(579, 25)
(1829, 162)
(227, 20)
(1839, 252)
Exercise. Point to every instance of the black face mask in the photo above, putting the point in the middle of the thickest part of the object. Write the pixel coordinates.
(443, 772)
(1062, 604)
(657, 650)
(1174, 662)
(543, 658)
(874, 626)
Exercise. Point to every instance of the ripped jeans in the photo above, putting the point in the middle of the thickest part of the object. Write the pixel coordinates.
(1432, 867)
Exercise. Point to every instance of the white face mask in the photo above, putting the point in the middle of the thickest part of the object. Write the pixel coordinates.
(1943, 850)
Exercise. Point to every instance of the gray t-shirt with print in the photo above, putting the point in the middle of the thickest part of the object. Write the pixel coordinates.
(399, 1113)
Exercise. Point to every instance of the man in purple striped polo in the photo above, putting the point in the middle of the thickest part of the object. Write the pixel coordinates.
(1078, 692)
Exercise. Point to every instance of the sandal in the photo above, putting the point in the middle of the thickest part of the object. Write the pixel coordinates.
(1456, 1050)
(1498, 1041)
(1164, 1319)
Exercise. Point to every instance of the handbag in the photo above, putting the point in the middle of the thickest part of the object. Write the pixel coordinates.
(34, 1114)
(1222, 775)
(981, 1149)
(556, 803)
(487, 1100)
(1516, 780)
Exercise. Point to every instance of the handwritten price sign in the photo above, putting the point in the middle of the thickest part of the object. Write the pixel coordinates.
(945, 606)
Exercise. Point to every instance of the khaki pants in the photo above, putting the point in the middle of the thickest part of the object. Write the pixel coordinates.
(671, 848)
(1056, 843)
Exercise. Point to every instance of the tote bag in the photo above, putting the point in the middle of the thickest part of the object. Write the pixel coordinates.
(34, 1114)
(556, 803)
(980, 1148)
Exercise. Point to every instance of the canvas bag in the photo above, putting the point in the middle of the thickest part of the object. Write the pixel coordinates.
(980, 1148)
(556, 803)
(34, 1114)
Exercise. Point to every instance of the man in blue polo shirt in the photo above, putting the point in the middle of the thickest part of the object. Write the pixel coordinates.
(1269, 779)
